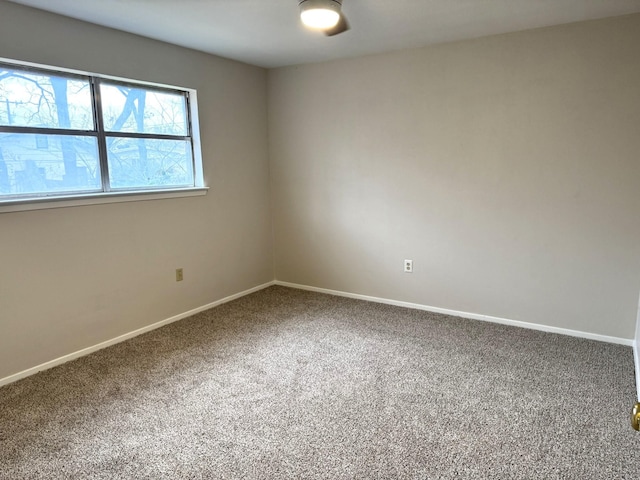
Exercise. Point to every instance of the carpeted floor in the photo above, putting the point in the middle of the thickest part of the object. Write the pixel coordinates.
(291, 384)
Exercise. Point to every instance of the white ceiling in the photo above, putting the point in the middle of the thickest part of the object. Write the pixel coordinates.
(268, 33)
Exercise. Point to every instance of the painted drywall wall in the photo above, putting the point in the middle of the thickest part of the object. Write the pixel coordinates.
(73, 277)
(505, 167)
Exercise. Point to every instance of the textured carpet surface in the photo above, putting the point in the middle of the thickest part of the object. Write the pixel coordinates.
(291, 384)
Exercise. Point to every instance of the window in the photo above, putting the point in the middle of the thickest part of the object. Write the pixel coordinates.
(74, 135)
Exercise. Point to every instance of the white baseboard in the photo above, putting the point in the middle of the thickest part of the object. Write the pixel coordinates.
(473, 316)
(636, 359)
(636, 351)
(86, 351)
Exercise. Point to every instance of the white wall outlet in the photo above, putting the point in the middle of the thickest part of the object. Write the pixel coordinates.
(408, 266)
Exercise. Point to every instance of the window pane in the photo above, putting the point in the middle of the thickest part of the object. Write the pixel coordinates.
(137, 110)
(41, 164)
(139, 163)
(29, 99)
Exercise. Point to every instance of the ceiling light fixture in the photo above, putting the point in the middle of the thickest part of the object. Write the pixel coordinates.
(320, 14)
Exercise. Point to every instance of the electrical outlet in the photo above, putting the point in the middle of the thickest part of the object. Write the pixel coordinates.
(179, 275)
(408, 266)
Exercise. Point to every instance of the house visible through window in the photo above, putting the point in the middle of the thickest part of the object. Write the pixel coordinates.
(66, 134)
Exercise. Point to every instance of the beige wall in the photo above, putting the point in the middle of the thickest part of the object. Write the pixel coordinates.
(507, 168)
(73, 277)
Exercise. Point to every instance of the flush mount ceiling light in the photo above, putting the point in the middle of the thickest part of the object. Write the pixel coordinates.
(325, 15)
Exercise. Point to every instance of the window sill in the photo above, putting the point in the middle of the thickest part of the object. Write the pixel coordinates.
(43, 203)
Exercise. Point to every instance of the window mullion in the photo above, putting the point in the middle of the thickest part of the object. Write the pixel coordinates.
(47, 131)
(102, 141)
(149, 136)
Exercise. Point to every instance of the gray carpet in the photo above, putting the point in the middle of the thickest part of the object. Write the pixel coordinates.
(292, 384)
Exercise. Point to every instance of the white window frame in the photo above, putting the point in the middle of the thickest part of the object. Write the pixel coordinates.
(54, 200)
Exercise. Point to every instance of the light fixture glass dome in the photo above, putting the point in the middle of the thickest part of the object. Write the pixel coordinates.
(320, 14)
(320, 18)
